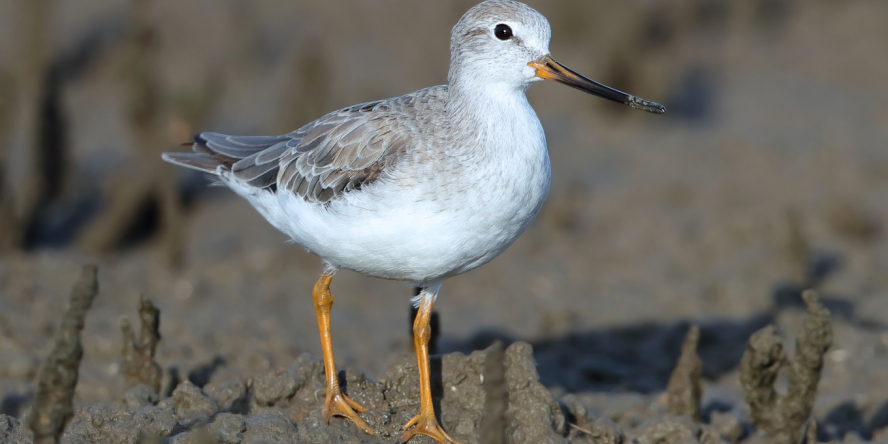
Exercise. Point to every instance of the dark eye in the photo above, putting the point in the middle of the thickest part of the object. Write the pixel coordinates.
(502, 32)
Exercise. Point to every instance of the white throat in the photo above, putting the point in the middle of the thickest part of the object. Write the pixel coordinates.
(498, 119)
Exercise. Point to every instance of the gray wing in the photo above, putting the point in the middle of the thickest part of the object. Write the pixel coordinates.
(333, 155)
(345, 150)
(212, 150)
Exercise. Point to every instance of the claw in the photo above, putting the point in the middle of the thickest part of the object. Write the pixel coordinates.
(354, 405)
(428, 427)
(341, 405)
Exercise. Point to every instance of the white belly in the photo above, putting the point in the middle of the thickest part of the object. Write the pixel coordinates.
(412, 234)
(450, 207)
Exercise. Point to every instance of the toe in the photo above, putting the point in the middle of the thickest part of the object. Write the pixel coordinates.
(427, 427)
(354, 405)
(340, 405)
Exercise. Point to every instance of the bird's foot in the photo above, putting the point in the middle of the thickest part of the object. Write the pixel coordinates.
(338, 404)
(426, 425)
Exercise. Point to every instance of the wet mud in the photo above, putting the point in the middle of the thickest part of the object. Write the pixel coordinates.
(486, 397)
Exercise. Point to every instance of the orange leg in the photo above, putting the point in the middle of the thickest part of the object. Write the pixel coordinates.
(425, 422)
(336, 403)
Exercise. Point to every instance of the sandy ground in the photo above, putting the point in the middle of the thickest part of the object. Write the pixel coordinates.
(770, 170)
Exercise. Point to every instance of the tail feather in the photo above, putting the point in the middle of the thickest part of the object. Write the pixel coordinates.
(237, 147)
(196, 161)
(240, 154)
(199, 145)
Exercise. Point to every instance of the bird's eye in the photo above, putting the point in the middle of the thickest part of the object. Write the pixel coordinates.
(502, 32)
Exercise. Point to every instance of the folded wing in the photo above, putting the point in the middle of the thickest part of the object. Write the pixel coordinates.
(333, 155)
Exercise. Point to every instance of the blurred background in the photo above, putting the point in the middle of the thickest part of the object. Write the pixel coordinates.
(769, 174)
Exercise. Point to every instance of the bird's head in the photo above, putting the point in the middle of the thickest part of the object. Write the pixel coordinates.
(505, 44)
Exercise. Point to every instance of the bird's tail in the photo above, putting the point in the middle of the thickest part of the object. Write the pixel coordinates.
(202, 159)
(219, 153)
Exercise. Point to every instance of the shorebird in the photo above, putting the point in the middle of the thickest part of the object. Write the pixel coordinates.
(416, 188)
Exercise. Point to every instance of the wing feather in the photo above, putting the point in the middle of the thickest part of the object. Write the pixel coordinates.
(345, 150)
(238, 147)
(340, 152)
